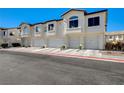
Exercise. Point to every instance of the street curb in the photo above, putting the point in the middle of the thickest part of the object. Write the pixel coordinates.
(75, 56)
(109, 66)
(86, 57)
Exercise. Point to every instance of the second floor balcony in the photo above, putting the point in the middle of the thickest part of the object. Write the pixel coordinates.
(73, 30)
(25, 34)
(37, 34)
(51, 32)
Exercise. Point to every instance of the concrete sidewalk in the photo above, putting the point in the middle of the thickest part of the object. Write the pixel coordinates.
(76, 53)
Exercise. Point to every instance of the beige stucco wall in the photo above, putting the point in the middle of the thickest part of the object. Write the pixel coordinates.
(101, 27)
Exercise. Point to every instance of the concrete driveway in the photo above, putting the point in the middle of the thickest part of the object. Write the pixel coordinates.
(50, 70)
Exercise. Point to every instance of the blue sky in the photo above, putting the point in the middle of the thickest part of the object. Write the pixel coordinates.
(12, 17)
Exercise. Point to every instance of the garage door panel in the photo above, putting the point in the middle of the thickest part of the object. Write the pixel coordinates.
(55, 43)
(92, 42)
(38, 42)
(25, 42)
(74, 43)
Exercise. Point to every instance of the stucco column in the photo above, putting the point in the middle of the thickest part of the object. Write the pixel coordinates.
(82, 41)
(101, 41)
(32, 42)
(66, 40)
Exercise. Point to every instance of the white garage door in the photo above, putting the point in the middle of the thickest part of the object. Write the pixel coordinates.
(74, 42)
(92, 42)
(55, 43)
(38, 43)
(25, 42)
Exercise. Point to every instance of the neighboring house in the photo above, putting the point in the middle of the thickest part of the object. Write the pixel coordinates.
(1, 35)
(10, 35)
(76, 27)
(114, 36)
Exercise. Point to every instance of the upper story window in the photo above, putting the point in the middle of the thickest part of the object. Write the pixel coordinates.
(120, 36)
(45, 29)
(73, 22)
(26, 30)
(110, 37)
(51, 27)
(4, 33)
(94, 21)
(11, 34)
(38, 29)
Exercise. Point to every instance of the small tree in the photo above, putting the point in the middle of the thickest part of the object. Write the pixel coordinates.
(122, 46)
(44, 46)
(81, 47)
(109, 45)
(1, 41)
(114, 45)
(63, 47)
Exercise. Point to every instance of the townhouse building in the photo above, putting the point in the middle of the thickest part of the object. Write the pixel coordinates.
(75, 28)
(114, 36)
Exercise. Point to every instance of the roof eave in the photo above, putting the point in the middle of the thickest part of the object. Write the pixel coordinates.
(73, 10)
(97, 12)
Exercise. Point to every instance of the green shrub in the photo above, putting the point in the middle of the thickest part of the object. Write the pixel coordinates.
(114, 45)
(63, 47)
(26, 46)
(44, 46)
(80, 46)
(4, 45)
(110, 45)
(122, 46)
(16, 44)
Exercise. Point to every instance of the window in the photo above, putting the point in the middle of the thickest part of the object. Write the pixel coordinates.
(38, 29)
(26, 30)
(50, 27)
(4, 33)
(11, 34)
(110, 37)
(73, 22)
(95, 21)
(45, 29)
(120, 36)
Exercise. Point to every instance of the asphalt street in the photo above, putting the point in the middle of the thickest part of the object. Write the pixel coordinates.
(22, 69)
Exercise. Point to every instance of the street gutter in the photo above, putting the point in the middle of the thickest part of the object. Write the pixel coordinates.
(117, 67)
